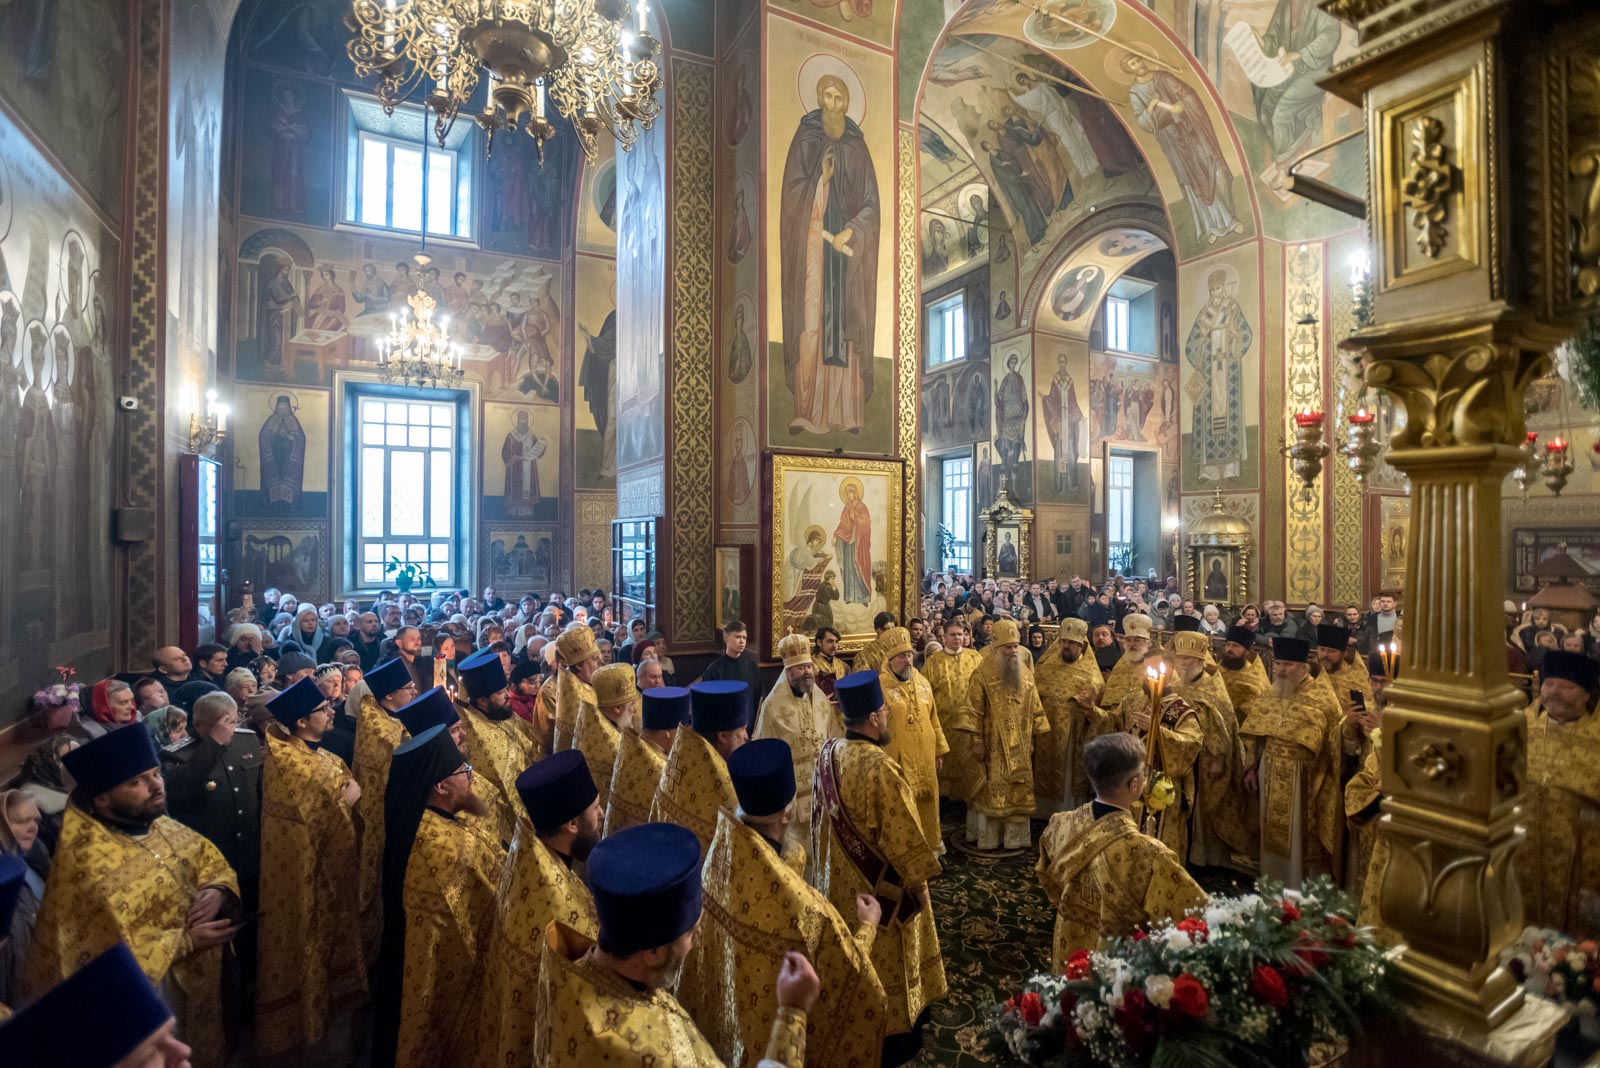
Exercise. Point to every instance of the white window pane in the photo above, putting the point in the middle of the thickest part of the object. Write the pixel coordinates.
(374, 182)
(407, 189)
(464, 203)
(371, 434)
(371, 490)
(441, 190)
(443, 499)
(372, 574)
(442, 414)
(395, 411)
(372, 552)
(417, 437)
(417, 552)
(441, 438)
(405, 493)
(440, 552)
(418, 414)
(396, 435)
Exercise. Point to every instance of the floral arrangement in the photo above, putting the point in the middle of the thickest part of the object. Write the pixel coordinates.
(1258, 979)
(64, 693)
(1559, 968)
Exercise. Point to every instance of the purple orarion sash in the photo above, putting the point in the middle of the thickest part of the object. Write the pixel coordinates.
(886, 883)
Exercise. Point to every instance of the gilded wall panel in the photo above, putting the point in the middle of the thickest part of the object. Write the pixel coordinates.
(1302, 330)
(906, 397)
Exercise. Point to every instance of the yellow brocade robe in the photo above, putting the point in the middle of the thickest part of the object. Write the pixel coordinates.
(1372, 846)
(1295, 750)
(597, 738)
(829, 669)
(587, 1015)
(805, 723)
(1105, 879)
(537, 888)
(107, 887)
(1351, 677)
(1244, 685)
(917, 742)
(634, 779)
(312, 959)
(545, 715)
(1059, 780)
(1222, 823)
(1006, 721)
(449, 897)
(694, 787)
(377, 735)
(879, 804)
(948, 673)
(1560, 861)
(870, 657)
(573, 695)
(500, 750)
(1128, 674)
(756, 910)
(1182, 739)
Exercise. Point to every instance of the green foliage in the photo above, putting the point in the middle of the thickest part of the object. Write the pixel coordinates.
(1584, 364)
(947, 543)
(407, 575)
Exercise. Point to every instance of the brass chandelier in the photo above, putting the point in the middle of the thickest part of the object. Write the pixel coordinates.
(417, 351)
(592, 62)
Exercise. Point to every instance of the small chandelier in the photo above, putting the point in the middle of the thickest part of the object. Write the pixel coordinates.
(417, 352)
(1305, 456)
(1527, 469)
(592, 62)
(1557, 464)
(1361, 451)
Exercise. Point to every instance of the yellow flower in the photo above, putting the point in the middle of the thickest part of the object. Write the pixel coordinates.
(1161, 793)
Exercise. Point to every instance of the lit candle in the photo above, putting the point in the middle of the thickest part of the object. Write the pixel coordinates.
(223, 412)
(640, 11)
(1307, 417)
(1556, 445)
(1361, 417)
(538, 98)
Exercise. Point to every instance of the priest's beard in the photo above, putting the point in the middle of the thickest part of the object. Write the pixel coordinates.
(672, 971)
(1011, 673)
(1071, 653)
(802, 687)
(1283, 687)
(583, 844)
(903, 676)
(1232, 663)
(474, 805)
(833, 124)
(1189, 680)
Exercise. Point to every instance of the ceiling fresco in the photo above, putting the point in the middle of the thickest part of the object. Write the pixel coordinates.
(1068, 302)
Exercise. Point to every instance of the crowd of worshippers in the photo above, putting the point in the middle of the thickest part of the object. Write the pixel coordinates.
(505, 866)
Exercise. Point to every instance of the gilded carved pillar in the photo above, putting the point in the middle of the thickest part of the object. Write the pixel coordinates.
(1471, 299)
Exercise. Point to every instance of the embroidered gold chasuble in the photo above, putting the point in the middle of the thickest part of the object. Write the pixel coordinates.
(1560, 862)
(107, 887)
(1244, 685)
(451, 879)
(917, 742)
(1006, 720)
(1371, 845)
(545, 716)
(1059, 781)
(829, 670)
(537, 888)
(694, 787)
(870, 819)
(587, 1015)
(312, 959)
(1222, 823)
(597, 738)
(871, 656)
(377, 735)
(1127, 675)
(948, 673)
(634, 779)
(1179, 746)
(757, 908)
(1294, 744)
(1105, 878)
(573, 695)
(805, 723)
(500, 750)
(1351, 677)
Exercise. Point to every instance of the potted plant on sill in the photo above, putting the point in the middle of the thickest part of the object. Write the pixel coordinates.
(407, 575)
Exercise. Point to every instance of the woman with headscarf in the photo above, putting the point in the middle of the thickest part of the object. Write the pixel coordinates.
(1308, 628)
(306, 631)
(168, 726)
(44, 779)
(19, 838)
(1036, 643)
(1211, 624)
(240, 683)
(111, 705)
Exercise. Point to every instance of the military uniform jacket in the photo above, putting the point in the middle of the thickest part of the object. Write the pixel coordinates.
(216, 790)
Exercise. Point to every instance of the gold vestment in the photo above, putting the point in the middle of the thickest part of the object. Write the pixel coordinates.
(500, 750)
(917, 743)
(1351, 677)
(1105, 879)
(449, 898)
(1222, 823)
(587, 1015)
(694, 787)
(1128, 674)
(805, 723)
(948, 673)
(1059, 780)
(544, 711)
(1006, 721)
(872, 818)
(572, 696)
(1371, 845)
(634, 779)
(538, 887)
(1559, 863)
(829, 669)
(871, 656)
(377, 735)
(107, 887)
(1293, 743)
(597, 738)
(757, 908)
(312, 960)
(1179, 746)
(1244, 685)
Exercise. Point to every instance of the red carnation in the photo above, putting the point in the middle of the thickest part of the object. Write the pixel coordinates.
(1138, 1027)
(1195, 927)
(1348, 939)
(1189, 997)
(1309, 949)
(1139, 935)
(1031, 1008)
(1078, 964)
(1290, 912)
(1267, 984)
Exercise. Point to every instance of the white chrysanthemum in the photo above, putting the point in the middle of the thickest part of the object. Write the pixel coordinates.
(1176, 939)
(1158, 989)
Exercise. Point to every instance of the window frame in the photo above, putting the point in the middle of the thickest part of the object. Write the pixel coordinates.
(1119, 519)
(954, 337)
(464, 470)
(963, 532)
(1123, 306)
(362, 119)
